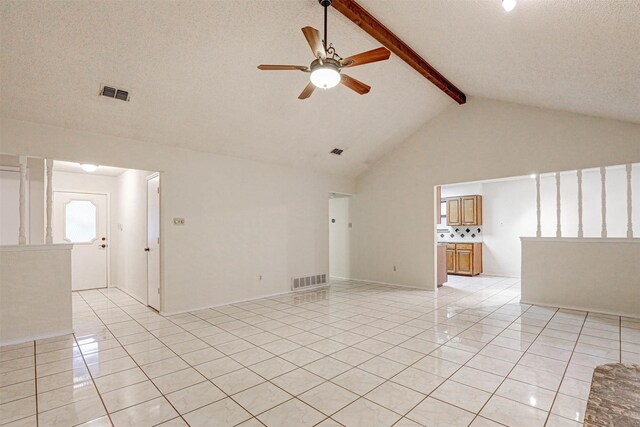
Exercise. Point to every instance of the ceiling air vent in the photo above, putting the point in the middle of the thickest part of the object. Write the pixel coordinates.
(336, 151)
(111, 92)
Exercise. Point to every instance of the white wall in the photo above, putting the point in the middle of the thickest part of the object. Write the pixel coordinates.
(29, 310)
(561, 273)
(90, 183)
(132, 233)
(393, 207)
(243, 218)
(339, 237)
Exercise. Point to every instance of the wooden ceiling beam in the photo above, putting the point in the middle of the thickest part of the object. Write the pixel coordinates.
(359, 15)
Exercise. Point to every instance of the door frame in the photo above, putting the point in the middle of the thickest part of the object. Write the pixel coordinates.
(108, 224)
(161, 243)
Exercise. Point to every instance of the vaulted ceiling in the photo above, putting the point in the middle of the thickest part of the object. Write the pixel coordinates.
(191, 71)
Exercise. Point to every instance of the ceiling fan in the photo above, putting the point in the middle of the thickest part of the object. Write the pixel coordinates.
(326, 70)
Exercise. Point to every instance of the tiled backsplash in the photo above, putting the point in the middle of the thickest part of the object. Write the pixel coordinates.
(460, 233)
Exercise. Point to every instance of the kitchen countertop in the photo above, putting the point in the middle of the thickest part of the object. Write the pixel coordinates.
(614, 400)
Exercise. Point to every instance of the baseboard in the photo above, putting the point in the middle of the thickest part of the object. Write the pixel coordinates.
(500, 275)
(35, 337)
(173, 313)
(577, 308)
(397, 285)
(130, 294)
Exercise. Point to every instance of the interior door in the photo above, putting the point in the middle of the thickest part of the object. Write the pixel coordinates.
(81, 219)
(153, 242)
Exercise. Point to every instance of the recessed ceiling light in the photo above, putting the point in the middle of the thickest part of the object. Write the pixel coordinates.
(508, 5)
(88, 167)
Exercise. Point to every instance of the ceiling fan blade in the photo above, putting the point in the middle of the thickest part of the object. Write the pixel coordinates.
(308, 90)
(355, 85)
(375, 55)
(282, 67)
(313, 38)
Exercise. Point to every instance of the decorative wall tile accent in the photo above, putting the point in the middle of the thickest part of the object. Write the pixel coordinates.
(457, 234)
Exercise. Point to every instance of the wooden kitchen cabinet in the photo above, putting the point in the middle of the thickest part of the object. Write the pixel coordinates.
(464, 258)
(451, 258)
(464, 210)
(453, 211)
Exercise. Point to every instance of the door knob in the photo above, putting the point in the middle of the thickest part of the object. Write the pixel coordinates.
(147, 249)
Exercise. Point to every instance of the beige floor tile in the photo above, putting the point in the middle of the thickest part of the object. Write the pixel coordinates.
(148, 413)
(297, 381)
(395, 397)
(130, 395)
(435, 413)
(462, 396)
(358, 381)
(292, 413)
(195, 396)
(509, 412)
(237, 381)
(328, 397)
(261, 398)
(528, 394)
(365, 413)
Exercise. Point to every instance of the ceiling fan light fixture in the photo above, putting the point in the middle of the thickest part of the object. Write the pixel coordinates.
(508, 5)
(325, 76)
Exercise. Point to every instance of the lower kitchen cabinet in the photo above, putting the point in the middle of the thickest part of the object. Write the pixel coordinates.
(464, 258)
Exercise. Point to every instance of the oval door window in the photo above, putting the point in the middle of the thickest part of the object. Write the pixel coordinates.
(80, 221)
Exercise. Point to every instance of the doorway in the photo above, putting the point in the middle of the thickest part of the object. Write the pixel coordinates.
(153, 241)
(81, 219)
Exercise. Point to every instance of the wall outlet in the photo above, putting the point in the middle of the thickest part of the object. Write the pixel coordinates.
(178, 221)
(394, 268)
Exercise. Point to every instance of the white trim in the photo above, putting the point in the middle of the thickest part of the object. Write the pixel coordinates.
(146, 232)
(173, 313)
(580, 239)
(135, 297)
(22, 340)
(398, 285)
(571, 307)
(488, 273)
(25, 248)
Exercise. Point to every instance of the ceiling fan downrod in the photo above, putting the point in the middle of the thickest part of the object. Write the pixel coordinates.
(325, 4)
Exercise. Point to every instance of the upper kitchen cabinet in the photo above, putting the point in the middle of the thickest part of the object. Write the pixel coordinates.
(464, 210)
(453, 211)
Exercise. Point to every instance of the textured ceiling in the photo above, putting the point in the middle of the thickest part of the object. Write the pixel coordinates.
(574, 55)
(191, 69)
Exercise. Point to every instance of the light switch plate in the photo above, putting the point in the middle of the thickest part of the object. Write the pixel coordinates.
(178, 221)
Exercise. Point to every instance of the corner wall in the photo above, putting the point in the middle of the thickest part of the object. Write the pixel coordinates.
(483, 139)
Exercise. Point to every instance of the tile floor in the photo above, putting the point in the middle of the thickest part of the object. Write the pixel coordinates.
(354, 354)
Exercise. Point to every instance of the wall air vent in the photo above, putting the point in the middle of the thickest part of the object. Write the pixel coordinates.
(301, 283)
(336, 151)
(111, 92)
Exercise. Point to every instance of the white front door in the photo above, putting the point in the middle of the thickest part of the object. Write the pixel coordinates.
(81, 219)
(153, 242)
